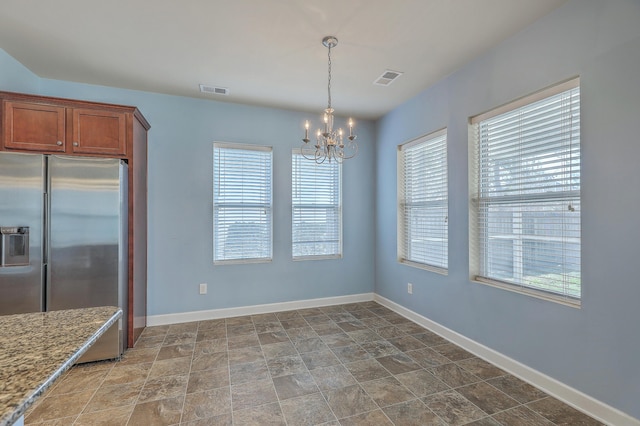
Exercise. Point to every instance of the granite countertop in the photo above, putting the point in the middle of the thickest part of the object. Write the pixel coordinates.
(36, 348)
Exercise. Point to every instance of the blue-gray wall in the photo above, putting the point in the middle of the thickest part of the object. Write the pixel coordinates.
(595, 349)
(16, 77)
(180, 200)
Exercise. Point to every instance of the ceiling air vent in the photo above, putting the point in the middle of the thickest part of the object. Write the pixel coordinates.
(387, 78)
(213, 90)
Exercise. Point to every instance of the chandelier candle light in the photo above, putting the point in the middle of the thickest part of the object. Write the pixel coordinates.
(329, 142)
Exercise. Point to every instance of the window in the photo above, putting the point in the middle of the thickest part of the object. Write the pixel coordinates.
(316, 208)
(242, 213)
(526, 205)
(423, 202)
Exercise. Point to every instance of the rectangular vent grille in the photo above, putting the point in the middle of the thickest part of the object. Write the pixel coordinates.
(214, 90)
(387, 78)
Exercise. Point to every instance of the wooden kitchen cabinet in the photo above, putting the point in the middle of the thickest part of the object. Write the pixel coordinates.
(42, 127)
(48, 125)
(33, 127)
(98, 132)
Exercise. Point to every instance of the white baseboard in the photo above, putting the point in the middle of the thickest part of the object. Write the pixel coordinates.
(580, 401)
(255, 309)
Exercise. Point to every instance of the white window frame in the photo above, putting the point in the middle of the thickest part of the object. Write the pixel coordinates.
(424, 189)
(261, 201)
(545, 212)
(313, 193)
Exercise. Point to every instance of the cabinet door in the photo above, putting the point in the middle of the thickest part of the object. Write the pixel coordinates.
(33, 127)
(98, 132)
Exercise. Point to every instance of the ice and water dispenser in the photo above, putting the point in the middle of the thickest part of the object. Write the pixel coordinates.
(14, 245)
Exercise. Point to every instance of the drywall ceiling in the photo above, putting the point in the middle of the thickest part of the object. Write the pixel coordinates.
(265, 52)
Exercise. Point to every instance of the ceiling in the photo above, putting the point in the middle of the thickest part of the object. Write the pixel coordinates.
(265, 52)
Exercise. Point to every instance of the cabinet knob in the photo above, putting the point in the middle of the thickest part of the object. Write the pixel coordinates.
(75, 144)
(59, 143)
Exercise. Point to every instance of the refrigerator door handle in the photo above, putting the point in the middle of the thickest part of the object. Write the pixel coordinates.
(45, 227)
(46, 237)
(45, 280)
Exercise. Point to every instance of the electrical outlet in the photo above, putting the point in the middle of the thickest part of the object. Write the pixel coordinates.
(203, 288)
(409, 288)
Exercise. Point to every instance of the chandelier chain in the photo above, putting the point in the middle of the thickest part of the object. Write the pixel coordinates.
(329, 81)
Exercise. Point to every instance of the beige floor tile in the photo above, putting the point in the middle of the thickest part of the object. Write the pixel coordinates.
(487, 398)
(376, 417)
(185, 327)
(163, 387)
(208, 379)
(253, 394)
(179, 338)
(521, 416)
(277, 350)
(211, 403)
(481, 368)
(114, 396)
(387, 391)
(561, 414)
(412, 413)
(398, 363)
(128, 373)
(159, 330)
(294, 385)
(64, 421)
(160, 412)
(207, 347)
(137, 356)
(517, 389)
(454, 375)
(307, 410)
(333, 377)
(74, 382)
(57, 406)
(268, 414)
(349, 401)
(453, 408)
(355, 364)
(319, 359)
(242, 373)
(150, 342)
(111, 417)
(170, 367)
(366, 370)
(221, 420)
(176, 351)
(422, 383)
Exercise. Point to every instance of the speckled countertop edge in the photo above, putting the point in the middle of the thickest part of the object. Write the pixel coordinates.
(14, 404)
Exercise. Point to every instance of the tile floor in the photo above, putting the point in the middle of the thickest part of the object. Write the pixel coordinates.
(355, 364)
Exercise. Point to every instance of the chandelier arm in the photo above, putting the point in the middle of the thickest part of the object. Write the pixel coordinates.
(302, 152)
(354, 147)
(320, 156)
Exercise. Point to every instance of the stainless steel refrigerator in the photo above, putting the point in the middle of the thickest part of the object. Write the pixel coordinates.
(63, 238)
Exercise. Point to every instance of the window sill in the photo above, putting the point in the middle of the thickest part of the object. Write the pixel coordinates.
(327, 257)
(240, 261)
(431, 268)
(563, 300)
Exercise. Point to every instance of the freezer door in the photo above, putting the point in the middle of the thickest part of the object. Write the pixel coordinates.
(84, 232)
(21, 207)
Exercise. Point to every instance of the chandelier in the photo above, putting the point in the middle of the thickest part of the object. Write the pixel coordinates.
(330, 144)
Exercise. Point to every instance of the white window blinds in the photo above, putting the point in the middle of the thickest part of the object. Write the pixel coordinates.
(316, 208)
(242, 213)
(423, 202)
(527, 203)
